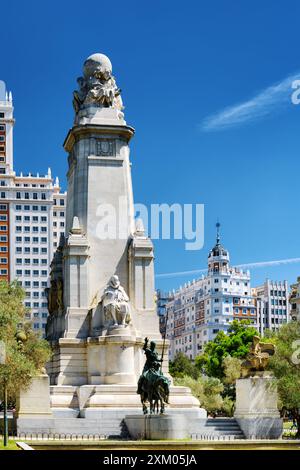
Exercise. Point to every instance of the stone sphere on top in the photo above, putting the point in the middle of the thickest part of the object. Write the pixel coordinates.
(96, 62)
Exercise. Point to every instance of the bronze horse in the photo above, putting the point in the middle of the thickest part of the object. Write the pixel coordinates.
(156, 394)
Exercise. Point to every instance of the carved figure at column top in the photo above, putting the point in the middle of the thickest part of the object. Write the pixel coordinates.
(97, 86)
(115, 303)
(257, 358)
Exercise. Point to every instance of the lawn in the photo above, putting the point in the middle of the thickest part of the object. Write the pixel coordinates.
(11, 446)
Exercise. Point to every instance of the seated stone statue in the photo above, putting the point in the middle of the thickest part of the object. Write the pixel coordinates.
(115, 303)
(258, 357)
(153, 386)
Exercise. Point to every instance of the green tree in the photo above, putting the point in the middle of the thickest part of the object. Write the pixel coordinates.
(206, 389)
(235, 343)
(182, 366)
(285, 365)
(26, 352)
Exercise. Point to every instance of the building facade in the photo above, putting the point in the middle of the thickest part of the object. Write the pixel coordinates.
(272, 305)
(200, 309)
(294, 301)
(32, 217)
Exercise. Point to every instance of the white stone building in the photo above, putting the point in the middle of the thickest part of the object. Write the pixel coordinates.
(200, 309)
(272, 305)
(32, 215)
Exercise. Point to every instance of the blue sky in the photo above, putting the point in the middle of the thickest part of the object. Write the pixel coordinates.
(195, 79)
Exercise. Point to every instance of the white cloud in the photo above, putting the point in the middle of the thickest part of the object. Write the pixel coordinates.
(260, 264)
(265, 103)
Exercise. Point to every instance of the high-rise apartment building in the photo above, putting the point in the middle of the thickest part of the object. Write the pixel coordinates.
(32, 217)
(200, 309)
(272, 305)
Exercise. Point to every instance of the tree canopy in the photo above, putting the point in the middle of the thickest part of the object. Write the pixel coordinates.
(183, 366)
(26, 352)
(235, 343)
(285, 365)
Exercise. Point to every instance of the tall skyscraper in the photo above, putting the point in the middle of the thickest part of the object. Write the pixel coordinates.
(32, 214)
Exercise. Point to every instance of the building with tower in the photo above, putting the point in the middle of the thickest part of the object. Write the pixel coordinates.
(200, 309)
(30, 222)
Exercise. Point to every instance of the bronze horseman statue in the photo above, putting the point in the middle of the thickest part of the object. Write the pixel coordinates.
(153, 386)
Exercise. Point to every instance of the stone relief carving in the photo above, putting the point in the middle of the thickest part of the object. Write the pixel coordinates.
(97, 86)
(115, 303)
(105, 148)
(55, 296)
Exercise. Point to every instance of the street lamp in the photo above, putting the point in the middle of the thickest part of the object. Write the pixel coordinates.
(5, 422)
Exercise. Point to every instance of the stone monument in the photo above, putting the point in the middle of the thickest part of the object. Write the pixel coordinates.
(256, 395)
(102, 295)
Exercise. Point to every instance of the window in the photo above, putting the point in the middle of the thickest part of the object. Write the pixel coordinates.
(18, 228)
(3, 272)
(35, 250)
(36, 326)
(43, 219)
(62, 202)
(27, 218)
(19, 272)
(35, 208)
(62, 214)
(18, 207)
(3, 218)
(35, 272)
(3, 195)
(34, 195)
(36, 283)
(215, 331)
(35, 218)
(3, 249)
(26, 208)
(44, 208)
(36, 304)
(27, 272)
(3, 207)
(18, 195)
(3, 260)
(3, 228)
(27, 239)
(35, 239)
(19, 249)
(43, 196)
(44, 315)
(27, 249)
(3, 238)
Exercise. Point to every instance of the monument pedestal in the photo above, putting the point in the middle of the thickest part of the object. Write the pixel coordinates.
(256, 407)
(33, 407)
(157, 427)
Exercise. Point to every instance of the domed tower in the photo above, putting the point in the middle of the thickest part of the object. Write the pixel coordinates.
(218, 257)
